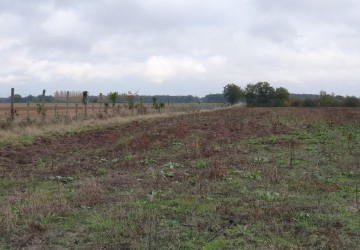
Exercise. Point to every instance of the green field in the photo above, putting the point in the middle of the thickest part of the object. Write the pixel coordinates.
(235, 178)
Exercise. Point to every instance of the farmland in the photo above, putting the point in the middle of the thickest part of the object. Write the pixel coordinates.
(232, 178)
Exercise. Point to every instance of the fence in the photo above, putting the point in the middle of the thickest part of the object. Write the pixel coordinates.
(17, 112)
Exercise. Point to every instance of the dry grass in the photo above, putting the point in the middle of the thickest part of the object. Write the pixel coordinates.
(24, 130)
(25, 134)
(89, 193)
(32, 206)
(8, 218)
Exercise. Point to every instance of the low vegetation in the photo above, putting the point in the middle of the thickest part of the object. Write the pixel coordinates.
(270, 178)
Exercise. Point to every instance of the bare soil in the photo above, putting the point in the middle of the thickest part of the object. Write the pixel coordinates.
(227, 179)
(214, 127)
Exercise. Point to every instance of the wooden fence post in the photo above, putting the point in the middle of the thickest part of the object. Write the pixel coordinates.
(101, 100)
(67, 103)
(55, 110)
(12, 110)
(76, 111)
(28, 111)
(43, 97)
(43, 104)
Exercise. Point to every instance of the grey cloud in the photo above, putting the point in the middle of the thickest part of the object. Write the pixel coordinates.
(274, 29)
(179, 46)
(314, 12)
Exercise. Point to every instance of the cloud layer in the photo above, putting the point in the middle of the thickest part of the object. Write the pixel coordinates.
(179, 47)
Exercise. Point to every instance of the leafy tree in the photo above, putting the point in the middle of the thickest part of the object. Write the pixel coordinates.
(327, 100)
(308, 102)
(296, 102)
(281, 96)
(113, 96)
(158, 105)
(233, 93)
(259, 94)
(29, 98)
(84, 99)
(47, 99)
(17, 98)
(351, 101)
(154, 101)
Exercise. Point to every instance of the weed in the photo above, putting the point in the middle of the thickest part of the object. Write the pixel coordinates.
(7, 122)
(217, 171)
(147, 161)
(201, 163)
(268, 196)
(8, 217)
(42, 164)
(41, 110)
(254, 175)
(129, 157)
(172, 165)
(89, 192)
(216, 244)
(102, 171)
(25, 139)
(63, 179)
(62, 242)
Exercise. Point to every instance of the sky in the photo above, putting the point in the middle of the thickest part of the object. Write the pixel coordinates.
(178, 47)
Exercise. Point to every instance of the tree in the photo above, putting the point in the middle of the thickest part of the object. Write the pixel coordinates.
(296, 102)
(233, 93)
(308, 102)
(113, 96)
(281, 96)
(157, 105)
(327, 100)
(130, 99)
(154, 101)
(351, 101)
(260, 94)
(17, 98)
(84, 99)
(214, 98)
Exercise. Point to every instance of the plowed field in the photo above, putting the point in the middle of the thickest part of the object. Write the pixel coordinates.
(226, 179)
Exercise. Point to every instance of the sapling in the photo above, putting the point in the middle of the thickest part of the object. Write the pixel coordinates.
(129, 97)
(157, 105)
(140, 107)
(41, 110)
(113, 96)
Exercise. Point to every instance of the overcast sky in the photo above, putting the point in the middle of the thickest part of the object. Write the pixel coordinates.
(179, 47)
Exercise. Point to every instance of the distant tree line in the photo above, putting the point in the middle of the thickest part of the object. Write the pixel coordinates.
(324, 100)
(30, 98)
(262, 94)
(259, 94)
(77, 97)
